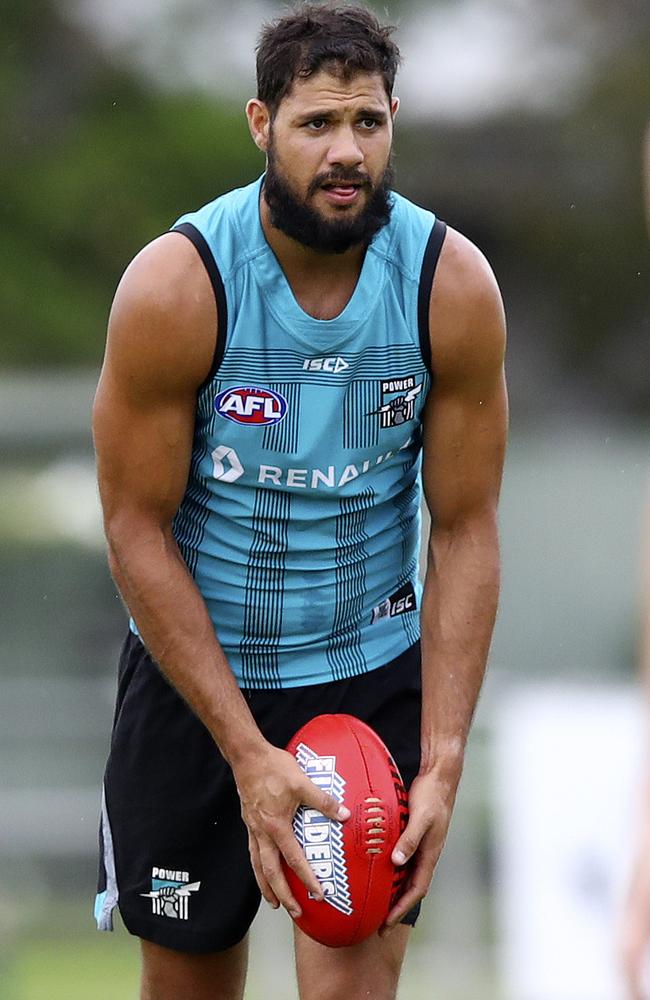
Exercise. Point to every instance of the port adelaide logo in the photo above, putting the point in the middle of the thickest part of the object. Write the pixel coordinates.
(251, 405)
(170, 893)
(398, 396)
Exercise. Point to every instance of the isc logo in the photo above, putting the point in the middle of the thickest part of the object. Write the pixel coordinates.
(402, 604)
(399, 603)
(247, 404)
(333, 365)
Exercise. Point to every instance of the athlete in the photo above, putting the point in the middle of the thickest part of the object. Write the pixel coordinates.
(283, 369)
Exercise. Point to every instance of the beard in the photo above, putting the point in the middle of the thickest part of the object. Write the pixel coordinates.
(296, 219)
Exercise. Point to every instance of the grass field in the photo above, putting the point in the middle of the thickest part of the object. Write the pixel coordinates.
(63, 958)
(71, 970)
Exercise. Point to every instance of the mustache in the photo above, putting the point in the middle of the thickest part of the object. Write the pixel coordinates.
(339, 177)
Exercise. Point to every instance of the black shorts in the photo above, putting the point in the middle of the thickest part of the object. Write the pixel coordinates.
(173, 846)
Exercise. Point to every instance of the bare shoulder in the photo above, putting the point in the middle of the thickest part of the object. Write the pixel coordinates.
(466, 315)
(163, 321)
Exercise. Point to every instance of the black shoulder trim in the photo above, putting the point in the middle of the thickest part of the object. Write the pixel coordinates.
(429, 262)
(210, 264)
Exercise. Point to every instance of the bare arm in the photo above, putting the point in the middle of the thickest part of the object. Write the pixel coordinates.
(161, 341)
(464, 443)
(635, 931)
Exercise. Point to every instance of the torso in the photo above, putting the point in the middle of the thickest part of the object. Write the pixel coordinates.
(301, 517)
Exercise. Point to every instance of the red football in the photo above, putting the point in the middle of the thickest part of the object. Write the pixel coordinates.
(351, 860)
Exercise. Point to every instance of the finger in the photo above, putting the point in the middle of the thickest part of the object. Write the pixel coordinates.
(272, 872)
(260, 878)
(296, 860)
(406, 902)
(315, 798)
(416, 887)
(410, 840)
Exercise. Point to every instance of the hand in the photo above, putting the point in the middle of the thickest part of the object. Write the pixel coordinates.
(271, 786)
(421, 843)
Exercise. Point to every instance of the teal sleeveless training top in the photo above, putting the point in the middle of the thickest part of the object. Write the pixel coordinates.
(300, 522)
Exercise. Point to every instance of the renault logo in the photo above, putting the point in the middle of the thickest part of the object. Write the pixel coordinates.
(227, 466)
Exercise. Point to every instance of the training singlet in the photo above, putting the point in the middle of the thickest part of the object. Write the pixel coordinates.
(300, 521)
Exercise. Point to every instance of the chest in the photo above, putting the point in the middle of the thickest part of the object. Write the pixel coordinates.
(324, 300)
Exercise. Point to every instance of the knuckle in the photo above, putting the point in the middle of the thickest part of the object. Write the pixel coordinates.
(420, 885)
(303, 871)
(295, 859)
(427, 818)
(272, 828)
(285, 898)
(268, 870)
(409, 842)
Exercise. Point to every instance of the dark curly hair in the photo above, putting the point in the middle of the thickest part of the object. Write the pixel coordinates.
(343, 39)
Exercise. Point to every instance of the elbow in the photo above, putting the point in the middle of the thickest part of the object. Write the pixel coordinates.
(117, 548)
(470, 541)
(480, 526)
(131, 538)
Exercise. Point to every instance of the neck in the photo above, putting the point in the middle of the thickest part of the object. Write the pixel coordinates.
(296, 259)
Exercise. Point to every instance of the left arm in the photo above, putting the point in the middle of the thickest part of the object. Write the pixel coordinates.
(464, 442)
(635, 930)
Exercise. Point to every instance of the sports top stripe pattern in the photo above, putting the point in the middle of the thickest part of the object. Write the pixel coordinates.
(300, 522)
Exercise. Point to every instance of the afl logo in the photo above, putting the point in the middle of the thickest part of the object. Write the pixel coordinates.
(247, 404)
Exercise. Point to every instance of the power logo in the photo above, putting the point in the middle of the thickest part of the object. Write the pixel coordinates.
(398, 396)
(251, 405)
(170, 893)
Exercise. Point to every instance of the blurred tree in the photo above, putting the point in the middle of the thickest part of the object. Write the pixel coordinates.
(556, 201)
(97, 161)
(96, 164)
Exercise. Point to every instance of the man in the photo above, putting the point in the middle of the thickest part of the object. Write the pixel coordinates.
(275, 368)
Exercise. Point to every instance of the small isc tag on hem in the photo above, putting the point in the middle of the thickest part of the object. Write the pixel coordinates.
(399, 603)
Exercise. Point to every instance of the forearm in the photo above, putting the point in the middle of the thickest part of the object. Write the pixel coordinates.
(174, 624)
(458, 611)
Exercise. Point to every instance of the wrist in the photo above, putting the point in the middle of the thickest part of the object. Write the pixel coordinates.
(443, 757)
(244, 749)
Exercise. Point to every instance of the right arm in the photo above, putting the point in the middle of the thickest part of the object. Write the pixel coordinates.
(161, 340)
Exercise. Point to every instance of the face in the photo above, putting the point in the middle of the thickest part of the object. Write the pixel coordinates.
(328, 159)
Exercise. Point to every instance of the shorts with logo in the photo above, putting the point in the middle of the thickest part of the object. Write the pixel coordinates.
(173, 846)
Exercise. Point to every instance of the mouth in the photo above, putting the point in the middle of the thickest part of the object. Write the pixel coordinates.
(342, 192)
(342, 184)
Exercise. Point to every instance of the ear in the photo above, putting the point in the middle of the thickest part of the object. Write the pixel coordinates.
(259, 123)
(394, 106)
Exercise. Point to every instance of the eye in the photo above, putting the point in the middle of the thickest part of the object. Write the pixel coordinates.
(369, 124)
(316, 124)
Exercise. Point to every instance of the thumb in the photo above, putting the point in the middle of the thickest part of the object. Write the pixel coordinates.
(326, 804)
(408, 843)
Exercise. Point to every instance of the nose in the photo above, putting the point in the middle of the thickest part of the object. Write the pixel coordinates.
(345, 150)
